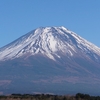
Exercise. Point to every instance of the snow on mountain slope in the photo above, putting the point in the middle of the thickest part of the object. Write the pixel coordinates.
(50, 42)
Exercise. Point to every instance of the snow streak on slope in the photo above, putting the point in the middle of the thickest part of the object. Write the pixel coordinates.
(50, 42)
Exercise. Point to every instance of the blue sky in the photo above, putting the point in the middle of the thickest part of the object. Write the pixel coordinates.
(17, 17)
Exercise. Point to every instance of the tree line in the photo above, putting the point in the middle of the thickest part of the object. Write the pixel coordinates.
(78, 96)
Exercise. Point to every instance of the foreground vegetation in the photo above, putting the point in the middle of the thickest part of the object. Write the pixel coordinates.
(78, 96)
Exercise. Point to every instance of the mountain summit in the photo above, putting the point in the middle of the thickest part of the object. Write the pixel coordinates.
(50, 60)
(50, 42)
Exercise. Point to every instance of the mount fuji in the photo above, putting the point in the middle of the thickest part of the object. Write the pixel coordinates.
(50, 60)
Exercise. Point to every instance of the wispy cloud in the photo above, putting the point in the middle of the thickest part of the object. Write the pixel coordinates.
(3, 82)
(1, 93)
(70, 79)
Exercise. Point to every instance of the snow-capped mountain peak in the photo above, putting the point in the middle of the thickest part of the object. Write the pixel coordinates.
(50, 42)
